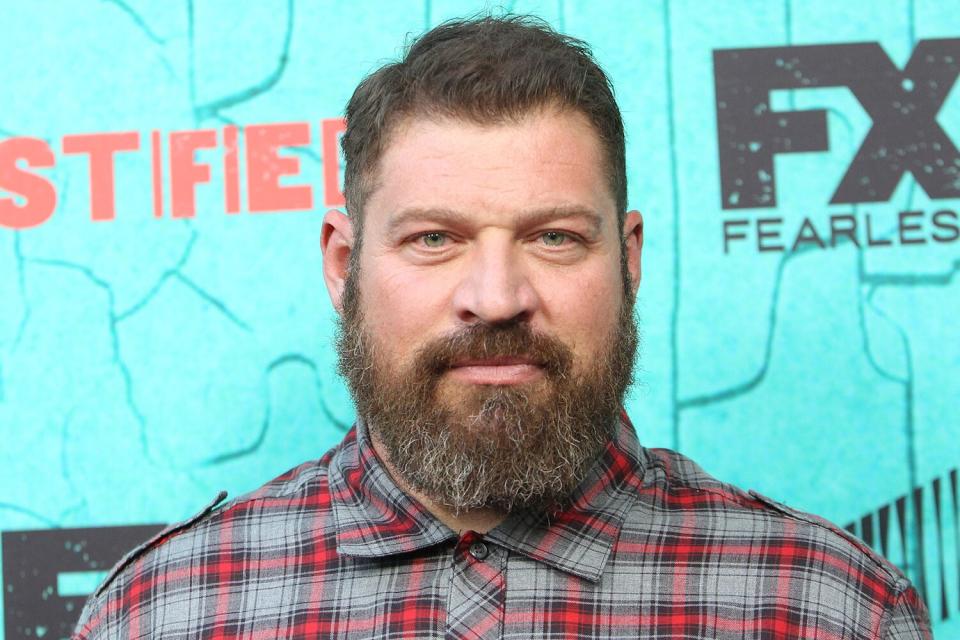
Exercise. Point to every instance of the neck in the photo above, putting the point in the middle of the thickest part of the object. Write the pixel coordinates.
(479, 520)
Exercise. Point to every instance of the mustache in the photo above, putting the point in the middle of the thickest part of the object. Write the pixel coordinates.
(483, 341)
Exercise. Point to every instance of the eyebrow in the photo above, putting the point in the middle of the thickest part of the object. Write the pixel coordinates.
(531, 218)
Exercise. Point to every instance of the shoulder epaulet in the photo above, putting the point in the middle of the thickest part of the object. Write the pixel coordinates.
(806, 517)
(776, 506)
(137, 551)
(859, 544)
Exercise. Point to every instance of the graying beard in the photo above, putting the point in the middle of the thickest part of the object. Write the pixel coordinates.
(580, 423)
(523, 478)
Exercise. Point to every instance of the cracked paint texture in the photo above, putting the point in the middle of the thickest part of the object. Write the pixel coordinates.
(145, 364)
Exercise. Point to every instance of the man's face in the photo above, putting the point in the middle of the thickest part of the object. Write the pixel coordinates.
(487, 330)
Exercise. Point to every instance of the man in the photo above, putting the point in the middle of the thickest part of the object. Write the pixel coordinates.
(492, 488)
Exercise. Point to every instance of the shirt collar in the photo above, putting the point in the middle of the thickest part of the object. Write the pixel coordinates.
(376, 518)
(579, 539)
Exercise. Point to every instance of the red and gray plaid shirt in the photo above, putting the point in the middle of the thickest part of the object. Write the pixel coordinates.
(652, 547)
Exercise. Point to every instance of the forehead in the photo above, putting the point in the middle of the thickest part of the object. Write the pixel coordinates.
(547, 159)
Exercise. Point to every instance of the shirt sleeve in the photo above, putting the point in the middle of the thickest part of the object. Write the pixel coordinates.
(908, 619)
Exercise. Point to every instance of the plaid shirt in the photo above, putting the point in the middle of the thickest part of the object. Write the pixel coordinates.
(652, 547)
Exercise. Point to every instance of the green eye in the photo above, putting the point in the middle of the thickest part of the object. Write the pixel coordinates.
(554, 238)
(433, 240)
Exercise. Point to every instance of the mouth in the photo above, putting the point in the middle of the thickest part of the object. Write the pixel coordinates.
(500, 370)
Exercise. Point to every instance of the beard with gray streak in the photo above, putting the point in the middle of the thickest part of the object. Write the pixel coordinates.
(506, 447)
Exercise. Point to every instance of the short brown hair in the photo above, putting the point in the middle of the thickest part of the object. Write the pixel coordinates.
(486, 70)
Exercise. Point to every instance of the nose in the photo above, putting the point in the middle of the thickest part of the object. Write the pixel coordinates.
(495, 287)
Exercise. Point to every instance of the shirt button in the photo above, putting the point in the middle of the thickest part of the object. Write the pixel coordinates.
(479, 550)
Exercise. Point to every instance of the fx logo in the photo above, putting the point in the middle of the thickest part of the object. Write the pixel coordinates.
(903, 104)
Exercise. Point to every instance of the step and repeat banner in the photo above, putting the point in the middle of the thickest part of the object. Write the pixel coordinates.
(165, 332)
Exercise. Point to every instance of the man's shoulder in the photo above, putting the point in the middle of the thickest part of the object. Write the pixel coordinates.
(720, 509)
(263, 522)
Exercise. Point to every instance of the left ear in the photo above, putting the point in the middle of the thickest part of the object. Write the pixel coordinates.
(633, 245)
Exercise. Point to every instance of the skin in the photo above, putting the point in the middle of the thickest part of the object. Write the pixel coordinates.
(486, 223)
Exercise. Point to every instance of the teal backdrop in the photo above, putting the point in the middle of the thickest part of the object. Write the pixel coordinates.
(147, 362)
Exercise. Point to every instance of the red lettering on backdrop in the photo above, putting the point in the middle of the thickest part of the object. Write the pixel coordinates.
(231, 182)
(39, 193)
(265, 167)
(185, 173)
(156, 162)
(332, 128)
(101, 147)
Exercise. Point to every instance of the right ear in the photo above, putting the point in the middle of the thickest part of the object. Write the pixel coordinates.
(336, 243)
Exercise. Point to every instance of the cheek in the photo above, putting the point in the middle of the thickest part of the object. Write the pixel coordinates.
(401, 308)
(583, 310)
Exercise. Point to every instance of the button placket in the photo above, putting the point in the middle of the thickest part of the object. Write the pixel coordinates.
(475, 604)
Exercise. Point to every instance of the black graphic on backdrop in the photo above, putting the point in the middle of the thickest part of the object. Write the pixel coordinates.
(34, 563)
(900, 530)
(905, 136)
